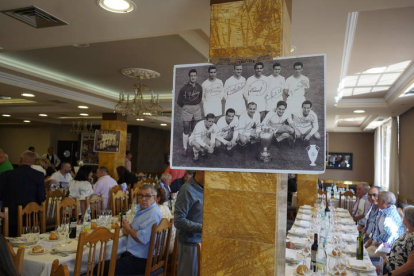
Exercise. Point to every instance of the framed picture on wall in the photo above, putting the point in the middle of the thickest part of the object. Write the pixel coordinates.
(106, 141)
(339, 161)
(88, 156)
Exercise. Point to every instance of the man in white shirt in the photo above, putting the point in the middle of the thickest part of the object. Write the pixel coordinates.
(249, 125)
(53, 158)
(256, 89)
(276, 120)
(228, 132)
(305, 123)
(212, 93)
(203, 138)
(62, 177)
(296, 88)
(233, 91)
(361, 205)
(104, 185)
(275, 91)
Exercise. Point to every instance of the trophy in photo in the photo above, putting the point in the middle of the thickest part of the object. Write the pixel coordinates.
(265, 139)
(312, 153)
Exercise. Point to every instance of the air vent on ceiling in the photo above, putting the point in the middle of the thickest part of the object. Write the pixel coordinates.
(35, 17)
(58, 102)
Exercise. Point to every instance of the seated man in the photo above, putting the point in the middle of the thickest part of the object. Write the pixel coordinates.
(305, 123)
(62, 177)
(276, 120)
(227, 131)
(138, 233)
(367, 224)
(249, 125)
(388, 226)
(176, 184)
(203, 138)
(165, 183)
(361, 205)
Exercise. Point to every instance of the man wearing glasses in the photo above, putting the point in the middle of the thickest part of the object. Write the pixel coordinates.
(138, 233)
(367, 224)
(361, 205)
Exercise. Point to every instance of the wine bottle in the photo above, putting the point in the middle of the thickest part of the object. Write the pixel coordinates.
(327, 211)
(360, 247)
(72, 225)
(314, 250)
(122, 215)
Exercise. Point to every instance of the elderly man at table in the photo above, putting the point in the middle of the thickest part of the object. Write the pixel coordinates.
(21, 186)
(62, 177)
(188, 219)
(5, 164)
(361, 205)
(388, 226)
(138, 233)
(367, 224)
(104, 185)
(165, 183)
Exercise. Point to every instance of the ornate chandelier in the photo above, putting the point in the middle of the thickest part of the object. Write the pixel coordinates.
(137, 106)
(80, 127)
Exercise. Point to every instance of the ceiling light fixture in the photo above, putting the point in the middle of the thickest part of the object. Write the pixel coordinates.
(164, 124)
(28, 95)
(118, 6)
(292, 49)
(83, 107)
(84, 114)
(140, 119)
(26, 121)
(6, 115)
(43, 115)
(359, 111)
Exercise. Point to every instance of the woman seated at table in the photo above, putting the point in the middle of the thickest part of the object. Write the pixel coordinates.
(400, 261)
(160, 198)
(125, 176)
(48, 167)
(80, 187)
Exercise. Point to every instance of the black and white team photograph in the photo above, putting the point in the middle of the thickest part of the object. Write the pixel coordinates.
(260, 117)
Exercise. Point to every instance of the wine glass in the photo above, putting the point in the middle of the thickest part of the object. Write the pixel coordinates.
(26, 232)
(35, 232)
(64, 227)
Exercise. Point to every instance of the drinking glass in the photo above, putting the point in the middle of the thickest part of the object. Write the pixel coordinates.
(27, 232)
(64, 227)
(35, 232)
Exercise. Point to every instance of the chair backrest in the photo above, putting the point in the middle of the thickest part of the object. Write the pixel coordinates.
(114, 190)
(5, 222)
(97, 242)
(323, 195)
(65, 207)
(34, 214)
(119, 201)
(199, 257)
(150, 181)
(52, 198)
(159, 247)
(95, 203)
(346, 200)
(133, 195)
(17, 257)
(59, 270)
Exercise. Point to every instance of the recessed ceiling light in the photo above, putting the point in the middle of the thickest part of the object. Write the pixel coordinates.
(359, 111)
(28, 95)
(140, 119)
(84, 114)
(84, 45)
(26, 121)
(118, 6)
(83, 107)
(5, 115)
(43, 115)
(292, 49)
(164, 124)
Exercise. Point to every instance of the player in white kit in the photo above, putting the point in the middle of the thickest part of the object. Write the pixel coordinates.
(296, 88)
(233, 91)
(249, 125)
(276, 120)
(212, 93)
(256, 89)
(228, 132)
(275, 91)
(305, 123)
(203, 137)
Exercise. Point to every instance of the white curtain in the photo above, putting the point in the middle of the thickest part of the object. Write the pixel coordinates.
(394, 177)
(377, 157)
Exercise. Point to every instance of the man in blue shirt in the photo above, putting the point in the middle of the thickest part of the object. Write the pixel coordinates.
(165, 183)
(176, 184)
(138, 233)
(188, 219)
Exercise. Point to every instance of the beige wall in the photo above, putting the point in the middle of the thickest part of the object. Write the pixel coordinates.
(406, 154)
(361, 145)
(16, 139)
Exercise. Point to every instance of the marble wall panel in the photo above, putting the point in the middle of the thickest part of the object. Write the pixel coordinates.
(307, 189)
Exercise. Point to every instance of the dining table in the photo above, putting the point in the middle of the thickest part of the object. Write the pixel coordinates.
(337, 232)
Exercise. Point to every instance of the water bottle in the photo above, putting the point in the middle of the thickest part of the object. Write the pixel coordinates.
(321, 256)
(87, 221)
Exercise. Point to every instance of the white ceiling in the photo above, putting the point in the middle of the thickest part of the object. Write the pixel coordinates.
(356, 36)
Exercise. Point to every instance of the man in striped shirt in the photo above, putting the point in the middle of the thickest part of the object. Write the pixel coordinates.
(366, 225)
(361, 205)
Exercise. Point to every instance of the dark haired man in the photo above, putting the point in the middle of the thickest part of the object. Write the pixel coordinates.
(212, 93)
(228, 132)
(305, 123)
(249, 125)
(296, 88)
(203, 138)
(275, 91)
(256, 89)
(233, 91)
(276, 120)
(189, 99)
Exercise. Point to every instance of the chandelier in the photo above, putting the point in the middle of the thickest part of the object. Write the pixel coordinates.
(80, 127)
(137, 105)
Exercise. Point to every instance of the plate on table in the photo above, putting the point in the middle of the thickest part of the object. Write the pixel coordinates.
(16, 242)
(359, 267)
(345, 273)
(46, 251)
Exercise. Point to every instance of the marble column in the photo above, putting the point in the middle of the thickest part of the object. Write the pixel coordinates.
(244, 219)
(307, 188)
(114, 121)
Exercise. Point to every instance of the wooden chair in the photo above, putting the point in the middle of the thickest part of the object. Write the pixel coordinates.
(17, 257)
(114, 190)
(348, 200)
(150, 181)
(323, 195)
(199, 257)
(97, 242)
(158, 251)
(119, 201)
(95, 202)
(34, 213)
(59, 270)
(5, 222)
(65, 207)
(52, 198)
(133, 195)
(174, 258)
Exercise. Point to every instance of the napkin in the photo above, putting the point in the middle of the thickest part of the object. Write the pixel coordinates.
(346, 221)
(290, 254)
(306, 207)
(304, 217)
(348, 237)
(298, 231)
(303, 223)
(351, 248)
(359, 264)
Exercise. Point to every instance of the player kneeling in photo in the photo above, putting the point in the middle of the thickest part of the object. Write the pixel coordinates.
(203, 138)
(227, 132)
